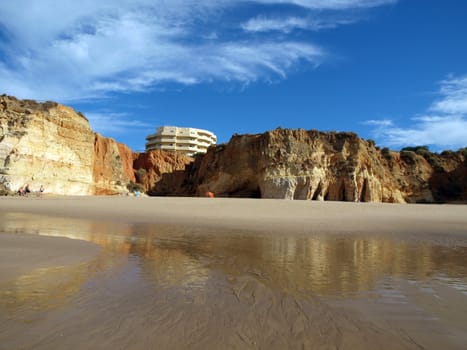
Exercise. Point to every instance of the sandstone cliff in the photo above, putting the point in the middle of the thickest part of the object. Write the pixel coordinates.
(113, 166)
(45, 143)
(52, 145)
(151, 166)
(299, 164)
(445, 177)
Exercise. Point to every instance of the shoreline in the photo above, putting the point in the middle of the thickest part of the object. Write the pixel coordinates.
(434, 224)
(270, 215)
(174, 280)
(242, 213)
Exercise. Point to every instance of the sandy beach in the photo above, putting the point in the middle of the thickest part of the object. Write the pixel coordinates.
(21, 253)
(443, 224)
(273, 216)
(231, 273)
(439, 223)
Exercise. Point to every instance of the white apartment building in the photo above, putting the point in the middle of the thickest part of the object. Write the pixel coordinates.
(188, 141)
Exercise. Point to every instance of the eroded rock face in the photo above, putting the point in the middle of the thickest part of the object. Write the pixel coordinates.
(113, 166)
(45, 144)
(52, 145)
(299, 164)
(151, 167)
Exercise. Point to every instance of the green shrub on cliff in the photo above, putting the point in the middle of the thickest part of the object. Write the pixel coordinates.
(409, 157)
(432, 158)
(386, 153)
(141, 175)
(421, 150)
(135, 187)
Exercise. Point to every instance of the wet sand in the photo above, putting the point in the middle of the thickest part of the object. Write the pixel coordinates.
(232, 273)
(22, 253)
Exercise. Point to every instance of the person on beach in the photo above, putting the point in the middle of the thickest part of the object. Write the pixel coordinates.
(209, 194)
(20, 191)
(27, 190)
(41, 190)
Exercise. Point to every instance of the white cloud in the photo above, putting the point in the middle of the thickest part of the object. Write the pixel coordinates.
(114, 123)
(446, 129)
(453, 96)
(68, 50)
(289, 24)
(332, 4)
(379, 123)
(440, 132)
(262, 24)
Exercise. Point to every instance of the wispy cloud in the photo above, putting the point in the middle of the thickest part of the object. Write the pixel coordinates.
(289, 24)
(444, 126)
(115, 123)
(380, 123)
(72, 50)
(332, 4)
(453, 97)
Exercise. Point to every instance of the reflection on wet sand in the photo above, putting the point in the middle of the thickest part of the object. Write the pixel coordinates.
(209, 289)
(42, 289)
(317, 264)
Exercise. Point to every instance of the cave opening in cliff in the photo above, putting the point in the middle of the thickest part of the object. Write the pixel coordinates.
(365, 190)
(317, 192)
(341, 193)
(247, 191)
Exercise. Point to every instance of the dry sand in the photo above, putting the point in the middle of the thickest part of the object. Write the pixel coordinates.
(251, 214)
(230, 295)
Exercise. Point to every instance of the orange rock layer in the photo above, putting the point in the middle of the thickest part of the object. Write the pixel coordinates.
(52, 145)
(300, 164)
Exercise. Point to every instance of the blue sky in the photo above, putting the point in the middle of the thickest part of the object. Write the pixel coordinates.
(391, 70)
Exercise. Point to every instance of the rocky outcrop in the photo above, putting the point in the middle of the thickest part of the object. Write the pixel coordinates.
(299, 164)
(113, 166)
(52, 145)
(45, 143)
(445, 177)
(150, 167)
